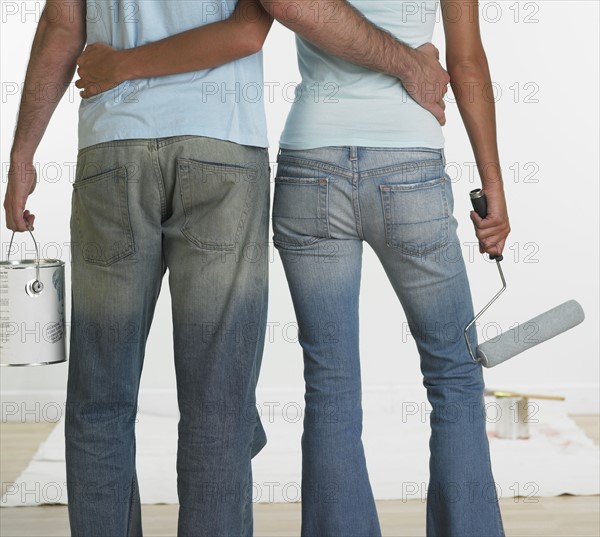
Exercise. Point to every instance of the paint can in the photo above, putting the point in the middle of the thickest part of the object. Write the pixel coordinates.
(32, 311)
(514, 418)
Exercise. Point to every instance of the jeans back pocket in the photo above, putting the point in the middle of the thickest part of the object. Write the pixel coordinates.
(216, 199)
(300, 211)
(416, 216)
(101, 212)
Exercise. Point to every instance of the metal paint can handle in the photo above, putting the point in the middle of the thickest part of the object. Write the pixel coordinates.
(36, 287)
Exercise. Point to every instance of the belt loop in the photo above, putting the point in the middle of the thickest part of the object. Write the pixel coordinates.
(353, 153)
(443, 157)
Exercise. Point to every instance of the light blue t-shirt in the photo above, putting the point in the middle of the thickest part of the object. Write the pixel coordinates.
(224, 103)
(340, 104)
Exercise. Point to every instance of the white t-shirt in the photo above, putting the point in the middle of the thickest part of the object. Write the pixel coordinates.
(341, 104)
(224, 103)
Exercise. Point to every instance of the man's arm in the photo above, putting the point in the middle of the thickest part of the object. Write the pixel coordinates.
(470, 78)
(59, 39)
(339, 29)
(102, 67)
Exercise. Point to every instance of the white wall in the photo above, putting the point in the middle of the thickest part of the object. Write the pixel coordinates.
(546, 67)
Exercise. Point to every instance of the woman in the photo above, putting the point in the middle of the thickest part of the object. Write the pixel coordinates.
(364, 162)
(368, 166)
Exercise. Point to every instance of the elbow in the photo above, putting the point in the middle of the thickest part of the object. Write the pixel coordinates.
(255, 43)
(465, 63)
(275, 8)
(251, 43)
(253, 34)
(75, 45)
(248, 49)
(67, 45)
(289, 12)
(467, 69)
(68, 30)
(64, 39)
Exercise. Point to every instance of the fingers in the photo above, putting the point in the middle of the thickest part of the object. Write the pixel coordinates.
(430, 83)
(79, 83)
(20, 221)
(79, 60)
(22, 179)
(86, 51)
(87, 90)
(493, 249)
(491, 233)
(15, 220)
(430, 48)
(442, 106)
(476, 219)
(445, 79)
(500, 246)
(29, 220)
(438, 111)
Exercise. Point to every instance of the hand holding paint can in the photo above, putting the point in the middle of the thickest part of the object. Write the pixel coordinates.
(32, 310)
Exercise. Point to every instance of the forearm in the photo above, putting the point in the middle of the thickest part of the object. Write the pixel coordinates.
(51, 67)
(59, 38)
(205, 47)
(472, 87)
(339, 29)
(471, 82)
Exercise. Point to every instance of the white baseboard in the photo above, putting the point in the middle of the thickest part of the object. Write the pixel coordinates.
(35, 406)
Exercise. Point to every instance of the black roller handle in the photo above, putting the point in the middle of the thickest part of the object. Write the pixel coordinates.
(480, 207)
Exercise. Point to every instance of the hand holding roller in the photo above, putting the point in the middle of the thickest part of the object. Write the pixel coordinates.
(526, 335)
(479, 203)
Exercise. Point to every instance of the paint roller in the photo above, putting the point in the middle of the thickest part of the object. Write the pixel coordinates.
(526, 335)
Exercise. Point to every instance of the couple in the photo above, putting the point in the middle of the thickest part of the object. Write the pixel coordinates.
(173, 173)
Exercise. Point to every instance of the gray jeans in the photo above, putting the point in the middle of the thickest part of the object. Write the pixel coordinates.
(199, 208)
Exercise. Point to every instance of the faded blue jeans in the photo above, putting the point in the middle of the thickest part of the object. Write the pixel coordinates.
(327, 202)
(198, 207)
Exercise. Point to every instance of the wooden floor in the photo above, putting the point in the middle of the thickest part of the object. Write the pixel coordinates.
(563, 516)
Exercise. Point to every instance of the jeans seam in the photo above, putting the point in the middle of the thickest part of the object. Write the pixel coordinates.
(114, 143)
(398, 168)
(356, 200)
(160, 180)
(324, 206)
(130, 517)
(313, 165)
(164, 142)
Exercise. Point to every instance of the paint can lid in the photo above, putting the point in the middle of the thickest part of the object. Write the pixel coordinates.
(30, 263)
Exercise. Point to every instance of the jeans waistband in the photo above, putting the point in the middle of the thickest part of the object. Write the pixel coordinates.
(345, 159)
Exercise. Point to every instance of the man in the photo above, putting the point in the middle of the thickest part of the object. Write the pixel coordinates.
(170, 176)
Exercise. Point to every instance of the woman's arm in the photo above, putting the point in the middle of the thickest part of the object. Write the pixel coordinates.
(102, 67)
(470, 80)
